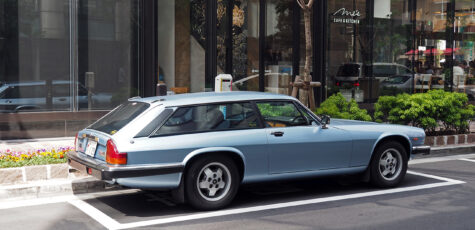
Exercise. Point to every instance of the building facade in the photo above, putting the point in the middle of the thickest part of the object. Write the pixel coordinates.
(64, 63)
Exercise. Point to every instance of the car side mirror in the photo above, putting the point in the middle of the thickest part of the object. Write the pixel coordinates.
(325, 121)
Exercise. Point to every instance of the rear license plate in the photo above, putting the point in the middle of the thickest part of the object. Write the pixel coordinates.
(91, 148)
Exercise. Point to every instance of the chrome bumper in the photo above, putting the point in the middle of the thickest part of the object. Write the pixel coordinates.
(423, 149)
(104, 171)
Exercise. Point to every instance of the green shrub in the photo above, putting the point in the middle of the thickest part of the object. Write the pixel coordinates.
(448, 110)
(336, 106)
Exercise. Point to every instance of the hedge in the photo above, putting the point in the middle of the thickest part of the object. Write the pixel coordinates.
(436, 111)
(448, 111)
(337, 106)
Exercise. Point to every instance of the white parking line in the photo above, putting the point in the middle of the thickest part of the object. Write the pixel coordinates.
(15, 203)
(96, 214)
(439, 159)
(470, 160)
(112, 224)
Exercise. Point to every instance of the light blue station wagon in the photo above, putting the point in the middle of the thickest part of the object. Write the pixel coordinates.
(203, 146)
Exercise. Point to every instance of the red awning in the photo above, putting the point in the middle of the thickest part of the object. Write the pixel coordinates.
(412, 52)
(449, 51)
(432, 51)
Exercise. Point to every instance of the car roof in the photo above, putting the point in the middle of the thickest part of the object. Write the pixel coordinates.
(211, 97)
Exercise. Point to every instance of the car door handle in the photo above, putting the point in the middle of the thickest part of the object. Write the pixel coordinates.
(277, 133)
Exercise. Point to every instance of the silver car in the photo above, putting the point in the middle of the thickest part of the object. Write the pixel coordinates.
(203, 146)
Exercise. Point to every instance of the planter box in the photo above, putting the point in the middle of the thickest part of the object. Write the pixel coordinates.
(33, 173)
(450, 139)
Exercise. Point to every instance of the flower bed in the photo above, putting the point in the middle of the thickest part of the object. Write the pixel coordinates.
(9, 159)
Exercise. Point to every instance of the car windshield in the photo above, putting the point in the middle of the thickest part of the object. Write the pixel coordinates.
(348, 70)
(396, 80)
(119, 117)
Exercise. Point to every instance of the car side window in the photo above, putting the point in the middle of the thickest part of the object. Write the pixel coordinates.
(211, 117)
(281, 114)
(11, 92)
(305, 112)
(403, 70)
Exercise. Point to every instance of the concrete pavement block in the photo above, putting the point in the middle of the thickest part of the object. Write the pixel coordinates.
(59, 171)
(11, 176)
(36, 173)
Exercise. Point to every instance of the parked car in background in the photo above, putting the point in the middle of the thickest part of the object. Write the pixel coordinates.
(203, 146)
(34, 96)
(403, 83)
(350, 74)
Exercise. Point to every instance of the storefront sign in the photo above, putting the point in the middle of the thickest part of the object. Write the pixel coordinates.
(346, 16)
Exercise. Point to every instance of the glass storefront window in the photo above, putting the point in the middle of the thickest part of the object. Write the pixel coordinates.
(34, 51)
(238, 42)
(464, 48)
(278, 51)
(181, 45)
(392, 40)
(348, 50)
(108, 44)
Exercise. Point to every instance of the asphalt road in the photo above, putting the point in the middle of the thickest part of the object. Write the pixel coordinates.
(434, 195)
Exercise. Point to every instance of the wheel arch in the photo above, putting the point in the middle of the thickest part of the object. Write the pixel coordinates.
(234, 154)
(25, 107)
(403, 140)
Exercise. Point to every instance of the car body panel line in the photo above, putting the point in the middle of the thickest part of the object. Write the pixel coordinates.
(104, 171)
(303, 174)
(214, 149)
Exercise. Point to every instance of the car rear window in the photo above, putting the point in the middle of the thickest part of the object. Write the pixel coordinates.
(119, 117)
(349, 70)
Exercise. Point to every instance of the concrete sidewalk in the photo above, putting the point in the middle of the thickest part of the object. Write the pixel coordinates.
(25, 145)
(75, 183)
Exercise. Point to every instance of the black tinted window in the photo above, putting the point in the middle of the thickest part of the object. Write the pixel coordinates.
(31, 91)
(384, 70)
(210, 117)
(349, 70)
(119, 117)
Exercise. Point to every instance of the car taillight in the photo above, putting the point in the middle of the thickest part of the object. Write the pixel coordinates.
(337, 83)
(76, 142)
(113, 156)
(356, 84)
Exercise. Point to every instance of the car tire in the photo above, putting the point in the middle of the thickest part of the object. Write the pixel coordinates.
(211, 182)
(389, 165)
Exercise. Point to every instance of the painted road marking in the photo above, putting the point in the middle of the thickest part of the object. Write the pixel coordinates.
(95, 214)
(60, 199)
(112, 224)
(470, 160)
(439, 159)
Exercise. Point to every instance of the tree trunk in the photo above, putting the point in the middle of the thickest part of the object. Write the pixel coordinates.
(308, 56)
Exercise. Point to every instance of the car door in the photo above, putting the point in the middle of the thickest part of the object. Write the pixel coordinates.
(296, 142)
(61, 96)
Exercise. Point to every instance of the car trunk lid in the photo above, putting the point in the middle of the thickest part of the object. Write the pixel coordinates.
(92, 143)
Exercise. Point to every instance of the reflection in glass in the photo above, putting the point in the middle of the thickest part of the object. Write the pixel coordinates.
(392, 39)
(34, 51)
(107, 47)
(279, 46)
(238, 46)
(464, 48)
(348, 50)
(181, 45)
